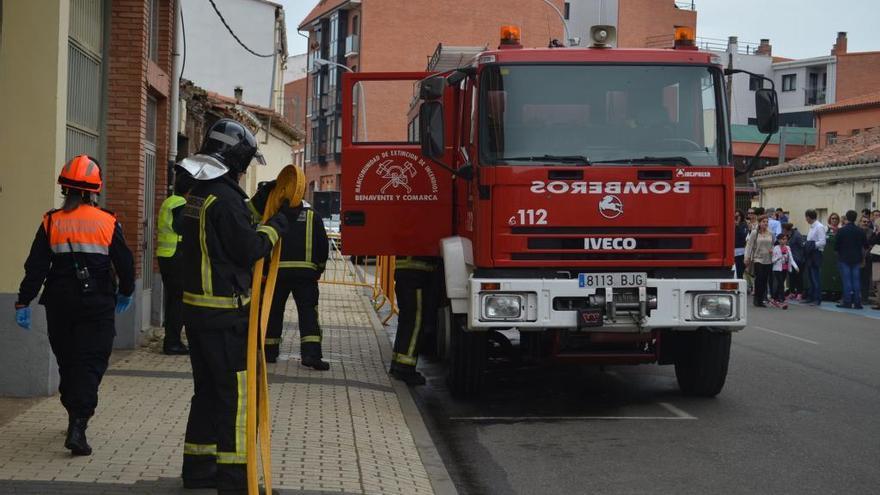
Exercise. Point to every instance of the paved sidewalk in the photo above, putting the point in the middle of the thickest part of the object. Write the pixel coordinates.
(348, 430)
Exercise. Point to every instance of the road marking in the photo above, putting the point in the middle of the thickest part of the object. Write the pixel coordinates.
(808, 341)
(677, 415)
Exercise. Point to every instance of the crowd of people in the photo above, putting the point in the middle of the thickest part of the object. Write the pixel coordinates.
(782, 264)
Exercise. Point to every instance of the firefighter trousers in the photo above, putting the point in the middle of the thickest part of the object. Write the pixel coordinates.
(216, 432)
(305, 295)
(82, 347)
(172, 282)
(417, 305)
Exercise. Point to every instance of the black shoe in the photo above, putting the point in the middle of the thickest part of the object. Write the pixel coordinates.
(410, 377)
(760, 305)
(195, 484)
(272, 352)
(244, 492)
(175, 349)
(858, 306)
(315, 362)
(844, 306)
(76, 437)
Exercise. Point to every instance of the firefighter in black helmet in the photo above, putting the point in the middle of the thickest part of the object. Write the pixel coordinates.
(220, 246)
(415, 286)
(303, 258)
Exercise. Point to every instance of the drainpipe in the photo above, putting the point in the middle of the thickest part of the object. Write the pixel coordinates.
(173, 128)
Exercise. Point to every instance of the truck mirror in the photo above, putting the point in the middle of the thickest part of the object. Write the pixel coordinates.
(432, 88)
(431, 129)
(766, 111)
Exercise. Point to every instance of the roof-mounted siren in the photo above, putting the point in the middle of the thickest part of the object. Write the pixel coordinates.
(603, 36)
(510, 37)
(685, 38)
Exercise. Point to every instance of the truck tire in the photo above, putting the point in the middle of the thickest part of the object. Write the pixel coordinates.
(468, 356)
(701, 362)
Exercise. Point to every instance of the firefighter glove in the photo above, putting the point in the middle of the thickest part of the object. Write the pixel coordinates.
(23, 316)
(122, 303)
(279, 222)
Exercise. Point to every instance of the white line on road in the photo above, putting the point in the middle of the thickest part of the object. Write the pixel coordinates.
(676, 411)
(678, 415)
(808, 341)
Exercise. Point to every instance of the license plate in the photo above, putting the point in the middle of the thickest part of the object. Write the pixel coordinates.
(590, 318)
(597, 280)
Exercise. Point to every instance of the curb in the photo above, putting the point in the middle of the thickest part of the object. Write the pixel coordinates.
(439, 477)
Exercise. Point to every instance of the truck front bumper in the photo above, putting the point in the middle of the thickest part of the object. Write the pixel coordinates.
(662, 303)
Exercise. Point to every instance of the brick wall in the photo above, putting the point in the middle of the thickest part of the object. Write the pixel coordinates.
(846, 123)
(857, 74)
(126, 115)
(645, 23)
(295, 102)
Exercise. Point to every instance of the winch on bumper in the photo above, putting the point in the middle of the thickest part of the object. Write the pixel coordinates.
(563, 303)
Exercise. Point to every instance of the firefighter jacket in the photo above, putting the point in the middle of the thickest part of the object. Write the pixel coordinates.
(220, 246)
(167, 237)
(88, 237)
(305, 248)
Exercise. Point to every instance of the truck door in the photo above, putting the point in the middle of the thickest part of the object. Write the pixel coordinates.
(394, 200)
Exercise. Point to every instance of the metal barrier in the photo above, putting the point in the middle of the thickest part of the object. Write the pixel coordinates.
(371, 272)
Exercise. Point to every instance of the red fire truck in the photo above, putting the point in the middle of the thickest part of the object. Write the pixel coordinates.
(583, 197)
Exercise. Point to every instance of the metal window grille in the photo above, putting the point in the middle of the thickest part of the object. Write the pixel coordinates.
(85, 84)
(149, 193)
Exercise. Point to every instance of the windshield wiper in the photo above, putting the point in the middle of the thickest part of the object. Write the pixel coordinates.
(671, 160)
(551, 158)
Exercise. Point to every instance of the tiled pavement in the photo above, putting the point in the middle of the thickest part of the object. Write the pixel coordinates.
(340, 431)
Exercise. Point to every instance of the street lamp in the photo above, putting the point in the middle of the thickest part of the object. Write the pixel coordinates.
(571, 41)
(363, 99)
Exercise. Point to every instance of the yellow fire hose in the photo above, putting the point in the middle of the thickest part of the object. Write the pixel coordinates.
(290, 187)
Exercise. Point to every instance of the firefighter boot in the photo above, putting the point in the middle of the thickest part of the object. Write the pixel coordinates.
(406, 374)
(174, 348)
(76, 437)
(312, 356)
(272, 352)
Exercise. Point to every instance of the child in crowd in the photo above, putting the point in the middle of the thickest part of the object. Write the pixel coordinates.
(783, 263)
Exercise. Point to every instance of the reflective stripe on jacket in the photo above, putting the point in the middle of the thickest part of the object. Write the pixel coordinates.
(167, 237)
(86, 229)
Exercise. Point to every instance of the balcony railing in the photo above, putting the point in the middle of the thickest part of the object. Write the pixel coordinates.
(352, 45)
(814, 96)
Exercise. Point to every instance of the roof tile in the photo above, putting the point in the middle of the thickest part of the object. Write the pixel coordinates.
(861, 148)
(865, 100)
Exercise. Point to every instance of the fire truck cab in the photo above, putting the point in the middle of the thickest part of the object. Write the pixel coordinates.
(582, 196)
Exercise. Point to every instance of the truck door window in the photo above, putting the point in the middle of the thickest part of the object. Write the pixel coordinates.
(603, 112)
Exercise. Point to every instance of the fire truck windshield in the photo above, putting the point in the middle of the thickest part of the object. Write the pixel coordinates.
(621, 114)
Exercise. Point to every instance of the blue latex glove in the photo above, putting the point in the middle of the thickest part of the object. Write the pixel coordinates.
(23, 317)
(122, 303)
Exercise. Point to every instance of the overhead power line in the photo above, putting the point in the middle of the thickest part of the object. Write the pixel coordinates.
(236, 37)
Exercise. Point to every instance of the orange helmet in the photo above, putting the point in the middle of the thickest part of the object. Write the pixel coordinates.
(83, 172)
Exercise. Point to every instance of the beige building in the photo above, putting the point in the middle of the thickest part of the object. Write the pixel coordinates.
(839, 177)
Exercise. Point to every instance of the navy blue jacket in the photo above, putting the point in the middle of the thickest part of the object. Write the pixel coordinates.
(850, 243)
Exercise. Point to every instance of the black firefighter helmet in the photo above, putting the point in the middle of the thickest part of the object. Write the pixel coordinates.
(232, 144)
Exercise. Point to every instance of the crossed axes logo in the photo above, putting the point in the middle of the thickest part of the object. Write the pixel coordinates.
(397, 175)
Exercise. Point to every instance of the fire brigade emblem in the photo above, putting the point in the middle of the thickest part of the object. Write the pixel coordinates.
(610, 207)
(396, 175)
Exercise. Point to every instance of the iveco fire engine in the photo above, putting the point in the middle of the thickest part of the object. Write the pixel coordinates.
(583, 197)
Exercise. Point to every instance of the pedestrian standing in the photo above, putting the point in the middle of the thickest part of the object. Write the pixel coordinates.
(813, 250)
(79, 251)
(833, 224)
(850, 247)
(740, 232)
(796, 244)
(783, 264)
(874, 260)
(415, 286)
(304, 252)
(171, 265)
(759, 254)
(220, 246)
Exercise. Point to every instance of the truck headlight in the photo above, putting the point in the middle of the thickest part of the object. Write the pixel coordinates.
(713, 306)
(502, 306)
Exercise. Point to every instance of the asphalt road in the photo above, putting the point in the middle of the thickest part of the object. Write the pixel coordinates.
(800, 414)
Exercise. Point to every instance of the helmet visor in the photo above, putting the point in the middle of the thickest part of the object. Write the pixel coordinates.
(258, 156)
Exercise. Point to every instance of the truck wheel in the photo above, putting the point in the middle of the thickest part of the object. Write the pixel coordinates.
(467, 359)
(701, 362)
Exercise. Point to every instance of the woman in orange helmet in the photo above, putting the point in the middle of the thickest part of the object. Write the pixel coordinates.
(75, 253)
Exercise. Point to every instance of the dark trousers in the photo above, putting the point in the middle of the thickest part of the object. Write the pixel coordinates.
(762, 277)
(740, 265)
(172, 281)
(305, 295)
(779, 285)
(217, 425)
(82, 347)
(816, 276)
(796, 281)
(417, 304)
(850, 277)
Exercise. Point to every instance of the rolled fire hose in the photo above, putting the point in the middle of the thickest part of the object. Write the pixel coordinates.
(289, 187)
